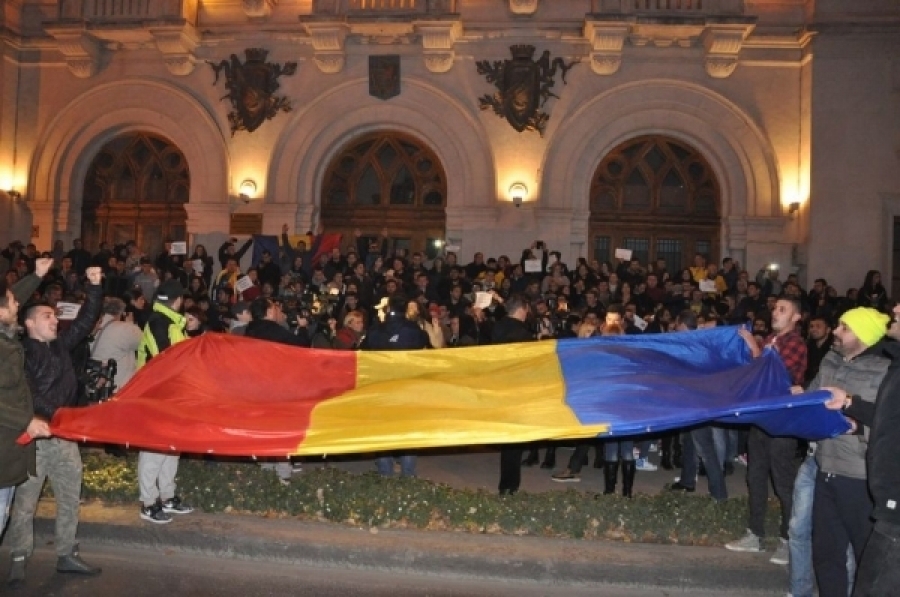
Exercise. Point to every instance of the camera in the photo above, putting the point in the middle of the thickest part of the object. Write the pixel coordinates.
(97, 379)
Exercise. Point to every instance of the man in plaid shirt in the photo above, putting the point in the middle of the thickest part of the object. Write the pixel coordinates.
(767, 455)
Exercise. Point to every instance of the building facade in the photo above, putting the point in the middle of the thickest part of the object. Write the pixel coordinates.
(763, 130)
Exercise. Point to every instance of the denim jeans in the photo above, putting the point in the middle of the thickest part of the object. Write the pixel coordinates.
(731, 443)
(800, 530)
(688, 459)
(710, 444)
(621, 450)
(6, 498)
(385, 465)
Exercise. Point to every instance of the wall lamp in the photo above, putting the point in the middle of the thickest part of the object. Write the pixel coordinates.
(247, 190)
(518, 192)
(793, 207)
(14, 195)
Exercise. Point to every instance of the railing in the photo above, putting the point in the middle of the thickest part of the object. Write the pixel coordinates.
(383, 7)
(110, 11)
(669, 7)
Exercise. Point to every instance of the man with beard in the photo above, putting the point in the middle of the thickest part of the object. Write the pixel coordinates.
(818, 344)
(878, 573)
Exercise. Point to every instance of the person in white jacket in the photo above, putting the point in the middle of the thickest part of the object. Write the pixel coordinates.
(116, 337)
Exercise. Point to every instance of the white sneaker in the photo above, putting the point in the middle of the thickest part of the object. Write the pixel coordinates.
(782, 553)
(748, 542)
(642, 464)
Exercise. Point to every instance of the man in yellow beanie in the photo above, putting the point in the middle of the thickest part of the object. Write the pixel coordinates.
(842, 506)
(879, 568)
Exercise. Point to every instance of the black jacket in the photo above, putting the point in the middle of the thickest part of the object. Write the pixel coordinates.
(509, 330)
(396, 333)
(48, 365)
(263, 329)
(883, 417)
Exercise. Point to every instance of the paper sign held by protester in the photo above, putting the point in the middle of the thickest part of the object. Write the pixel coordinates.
(708, 286)
(532, 266)
(640, 323)
(623, 254)
(179, 248)
(198, 265)
(67, 311)
(483, 300)
(451, 248)
(244, 283)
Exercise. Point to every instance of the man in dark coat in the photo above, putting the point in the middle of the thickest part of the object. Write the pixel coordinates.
(396, 332)
(54, 384)
(512, 328)
(268, 324)
(16, 407)
(878, 573)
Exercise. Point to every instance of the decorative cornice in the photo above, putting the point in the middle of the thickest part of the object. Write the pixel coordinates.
(177, 45)
(328, 41)
(523, 7)
(607, 41)
(258, 9)
(81, 50)
(438, 38)
(723, 43)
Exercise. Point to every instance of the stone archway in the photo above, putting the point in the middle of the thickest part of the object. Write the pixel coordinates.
(738, 152)
(62, 157)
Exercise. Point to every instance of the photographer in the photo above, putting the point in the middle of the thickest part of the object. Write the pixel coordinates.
(268, 323)
(116, 338)
(54, 384)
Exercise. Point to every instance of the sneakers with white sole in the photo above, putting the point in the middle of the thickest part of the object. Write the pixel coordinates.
(642, 464)
(748, 542)
(782, 553)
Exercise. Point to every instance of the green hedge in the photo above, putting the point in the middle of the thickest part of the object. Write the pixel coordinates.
(368, 500)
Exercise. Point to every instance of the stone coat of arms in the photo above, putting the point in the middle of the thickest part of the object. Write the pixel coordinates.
(523, 86)
(251, 88)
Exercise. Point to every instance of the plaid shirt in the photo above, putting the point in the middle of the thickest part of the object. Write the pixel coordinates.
(792, 350)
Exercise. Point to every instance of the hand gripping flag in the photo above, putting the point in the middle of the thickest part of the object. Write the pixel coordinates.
(237, 396)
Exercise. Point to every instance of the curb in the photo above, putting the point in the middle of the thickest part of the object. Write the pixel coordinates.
(547, 561)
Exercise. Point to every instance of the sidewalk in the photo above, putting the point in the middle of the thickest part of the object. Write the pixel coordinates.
(556, 563)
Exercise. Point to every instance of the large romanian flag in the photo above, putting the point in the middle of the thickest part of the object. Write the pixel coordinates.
(237, 396)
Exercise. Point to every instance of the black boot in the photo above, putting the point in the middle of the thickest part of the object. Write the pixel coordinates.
(549, 458)
(533, 458)
(16, 576)
(629, 467)
(73, 564)
(598, 457)
(610, 473)
(665, 452)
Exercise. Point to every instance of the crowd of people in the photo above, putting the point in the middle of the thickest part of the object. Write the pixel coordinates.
(369, 295)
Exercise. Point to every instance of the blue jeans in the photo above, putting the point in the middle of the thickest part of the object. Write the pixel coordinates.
(614, 451)
(6, 498)
(710, 444)
(803, 582)
(385, 465)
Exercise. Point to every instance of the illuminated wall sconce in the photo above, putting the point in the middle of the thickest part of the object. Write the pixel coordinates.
(793, 208)
(518, 192)
(14, 195)
(247, 190)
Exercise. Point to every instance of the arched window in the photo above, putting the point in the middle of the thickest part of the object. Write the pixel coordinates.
(657, 197)
(135, 189)
(387, 180)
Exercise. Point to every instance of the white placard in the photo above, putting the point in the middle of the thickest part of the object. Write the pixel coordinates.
(244, 283)
(179, 248)
(640, 323)
(623, 254)
(708, 286)
(198, 265)
(532, 266)
(67, 311)
(483, 300)
(451, 248)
